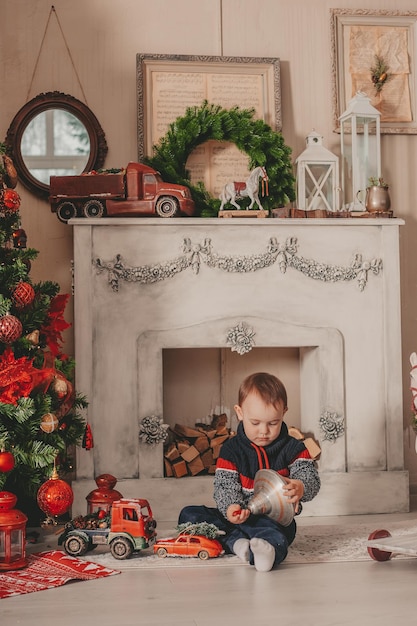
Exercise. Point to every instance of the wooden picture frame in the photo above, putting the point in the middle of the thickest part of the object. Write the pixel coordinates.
(383, 36)
(168, 84)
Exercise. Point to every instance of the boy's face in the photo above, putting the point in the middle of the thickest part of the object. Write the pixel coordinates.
(261, 422)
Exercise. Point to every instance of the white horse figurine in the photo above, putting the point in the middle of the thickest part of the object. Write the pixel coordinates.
(248, 189)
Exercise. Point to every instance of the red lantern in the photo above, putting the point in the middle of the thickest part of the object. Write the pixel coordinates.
(55, 496)
(102, 498)
(12, 533)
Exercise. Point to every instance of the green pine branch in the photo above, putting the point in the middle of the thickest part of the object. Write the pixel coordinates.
(263, 146)
(200, 528)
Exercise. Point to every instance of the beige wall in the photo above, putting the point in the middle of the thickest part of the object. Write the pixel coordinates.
(103, 38)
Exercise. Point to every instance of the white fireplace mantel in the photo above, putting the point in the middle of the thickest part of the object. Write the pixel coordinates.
(329, 287)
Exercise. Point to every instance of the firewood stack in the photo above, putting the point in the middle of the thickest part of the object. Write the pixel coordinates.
(191, 451)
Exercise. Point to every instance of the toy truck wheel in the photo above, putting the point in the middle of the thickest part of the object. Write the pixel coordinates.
(167, 207)
(66, 211)
(75, 546)
(203, 555)
(161, 552)
(93, 208)
(375, 553)
(121, 548)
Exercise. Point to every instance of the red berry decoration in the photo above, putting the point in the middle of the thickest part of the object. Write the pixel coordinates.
(10, 328)
(23, 295)
(6, 461)
(55, 496)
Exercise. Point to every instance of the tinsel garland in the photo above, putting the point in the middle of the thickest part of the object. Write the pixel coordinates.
(254, 137)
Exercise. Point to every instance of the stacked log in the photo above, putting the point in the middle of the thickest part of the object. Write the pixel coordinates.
(190, 451)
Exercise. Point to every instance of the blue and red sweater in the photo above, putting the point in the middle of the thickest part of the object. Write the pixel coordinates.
(240, 459)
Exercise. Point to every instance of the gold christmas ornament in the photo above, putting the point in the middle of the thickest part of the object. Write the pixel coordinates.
(49, 423)
(33, 337)
(60, 387)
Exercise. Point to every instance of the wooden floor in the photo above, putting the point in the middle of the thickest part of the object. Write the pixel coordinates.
(330, 594)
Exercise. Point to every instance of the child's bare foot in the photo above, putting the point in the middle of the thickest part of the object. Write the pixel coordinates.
(241, 549)
(263, 554)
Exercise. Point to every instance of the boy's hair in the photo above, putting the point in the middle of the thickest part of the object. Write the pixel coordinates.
(267, 386)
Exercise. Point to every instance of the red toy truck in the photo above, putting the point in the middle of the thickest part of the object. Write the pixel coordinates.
(128, 528)
(136, 191)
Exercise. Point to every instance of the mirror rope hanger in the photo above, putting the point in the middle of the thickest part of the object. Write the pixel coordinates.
(53, 12)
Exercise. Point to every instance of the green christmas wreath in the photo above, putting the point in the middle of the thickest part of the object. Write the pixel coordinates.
(254, 137)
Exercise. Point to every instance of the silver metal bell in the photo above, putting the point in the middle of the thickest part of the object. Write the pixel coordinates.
(269, 499)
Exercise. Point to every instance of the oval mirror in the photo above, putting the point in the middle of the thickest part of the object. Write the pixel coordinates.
(54, 134)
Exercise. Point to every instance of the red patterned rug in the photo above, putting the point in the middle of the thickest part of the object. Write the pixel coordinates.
(46, 570)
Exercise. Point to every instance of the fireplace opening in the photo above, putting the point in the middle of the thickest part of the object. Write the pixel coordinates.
(200, 389)
(186, 376)
(201, 382)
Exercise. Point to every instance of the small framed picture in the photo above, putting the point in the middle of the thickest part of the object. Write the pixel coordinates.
(375, 52)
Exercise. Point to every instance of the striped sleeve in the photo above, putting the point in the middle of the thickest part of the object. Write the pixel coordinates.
(227, 489)
(304, 469)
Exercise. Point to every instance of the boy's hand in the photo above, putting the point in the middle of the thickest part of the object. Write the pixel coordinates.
(236, 515)
(294, 491)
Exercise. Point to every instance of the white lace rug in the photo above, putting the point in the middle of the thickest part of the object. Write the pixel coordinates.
(313, 544)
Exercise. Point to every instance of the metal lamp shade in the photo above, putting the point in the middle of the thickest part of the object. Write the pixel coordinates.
(269, 499)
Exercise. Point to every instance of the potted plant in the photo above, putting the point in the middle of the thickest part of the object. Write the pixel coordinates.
(377, 196)
(378, 182)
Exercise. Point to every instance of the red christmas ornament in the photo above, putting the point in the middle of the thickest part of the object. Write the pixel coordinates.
(55, 496)
(88, 442)
(11, 200)
(10, 328)
(23, 295)
(6, 461)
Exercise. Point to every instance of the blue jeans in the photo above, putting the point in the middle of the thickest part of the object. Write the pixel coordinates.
(261, 526)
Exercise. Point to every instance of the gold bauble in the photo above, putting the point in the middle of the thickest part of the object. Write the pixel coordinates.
(60, 386)
(33, 337)
(49, 423)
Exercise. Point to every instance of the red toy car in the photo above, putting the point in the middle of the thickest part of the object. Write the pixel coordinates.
(188, 545)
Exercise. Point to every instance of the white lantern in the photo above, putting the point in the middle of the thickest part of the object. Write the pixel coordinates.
(360, 127)
(317, 176)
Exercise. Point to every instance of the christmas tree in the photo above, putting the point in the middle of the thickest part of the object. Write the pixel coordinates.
(40, 412)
